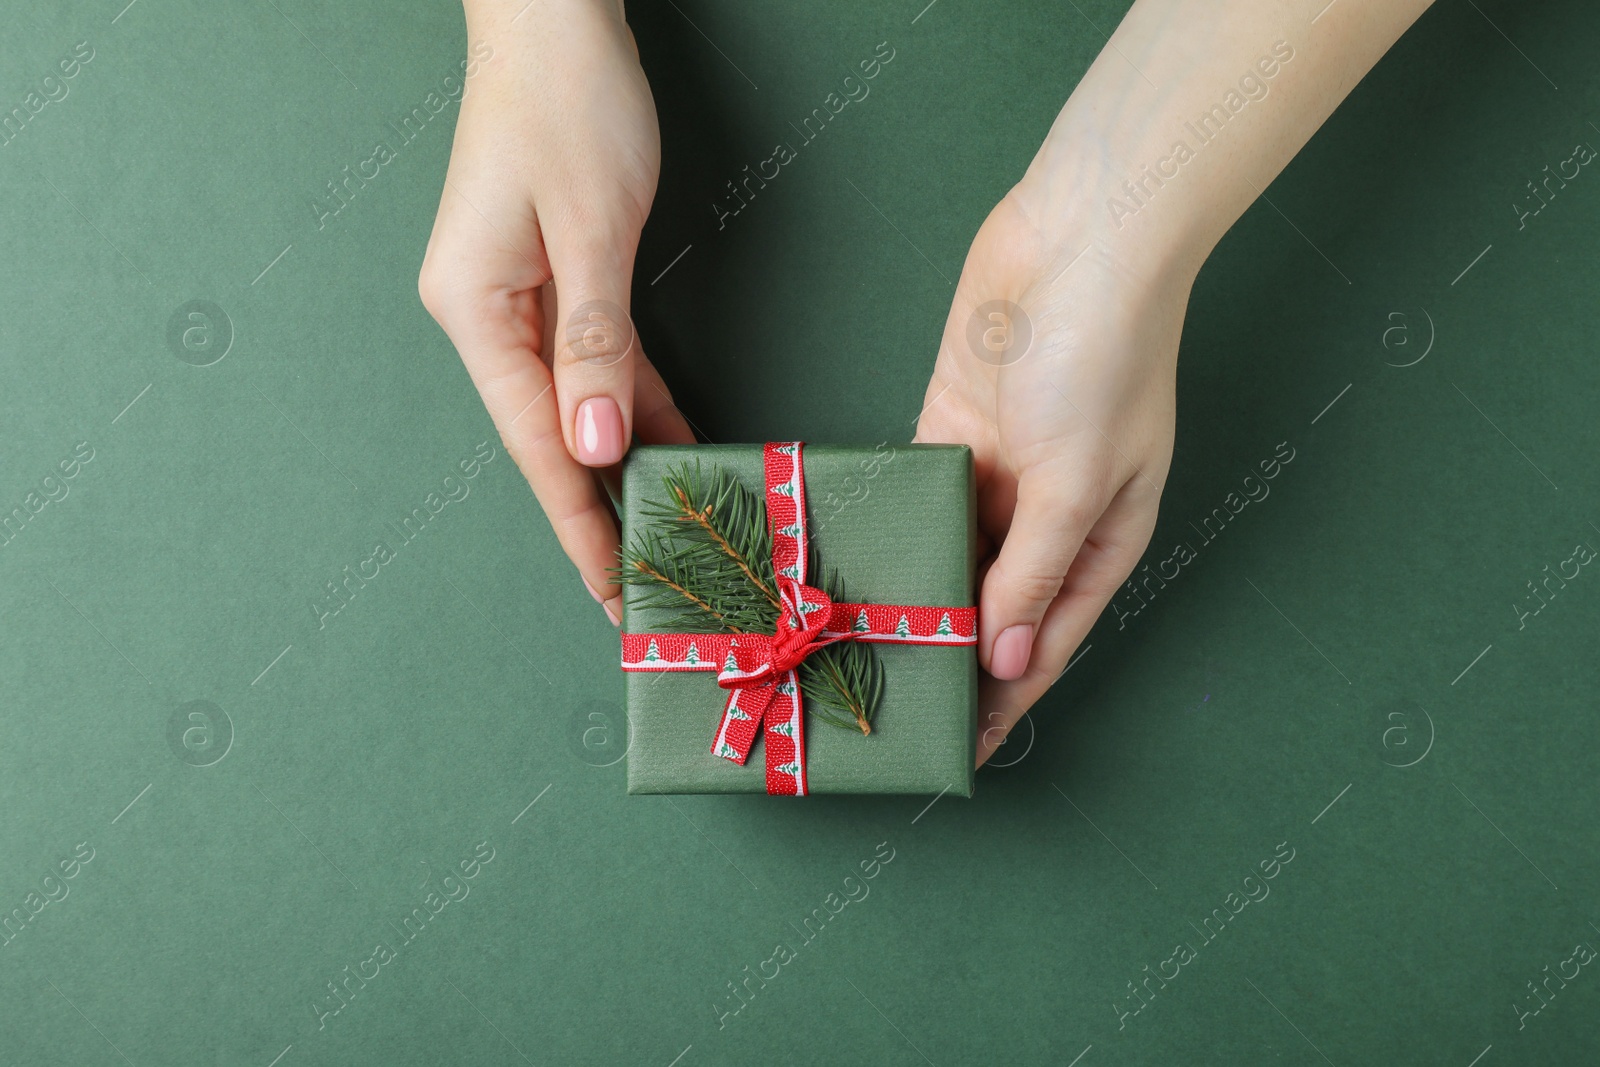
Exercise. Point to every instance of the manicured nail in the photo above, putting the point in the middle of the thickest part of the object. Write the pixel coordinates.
(592, 592)
(599, 432)
(1011, 651)
(613, 610)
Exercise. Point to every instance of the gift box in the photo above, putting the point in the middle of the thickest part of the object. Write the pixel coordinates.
(891, 530)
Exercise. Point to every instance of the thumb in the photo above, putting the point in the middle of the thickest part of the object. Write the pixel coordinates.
(596, 349)
(1051, 520)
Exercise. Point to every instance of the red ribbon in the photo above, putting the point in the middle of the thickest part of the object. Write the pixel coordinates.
(760, 670)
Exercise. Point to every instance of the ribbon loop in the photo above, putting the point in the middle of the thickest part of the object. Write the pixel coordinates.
(806, 609)
(759, 659)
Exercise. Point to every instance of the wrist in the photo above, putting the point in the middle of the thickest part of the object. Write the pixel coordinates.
(497, 16)
(1123, 191)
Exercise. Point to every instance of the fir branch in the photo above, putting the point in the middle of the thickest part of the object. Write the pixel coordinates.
(707, 552)
(711, 539)
(847, 677)
(702, 518)
(651, 574)
(844, 679)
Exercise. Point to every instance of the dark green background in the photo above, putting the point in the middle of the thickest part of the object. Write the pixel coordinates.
(363, 760)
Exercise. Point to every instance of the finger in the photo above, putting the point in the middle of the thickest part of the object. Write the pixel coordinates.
(996, 486)
(1057, 504)
(596, 348)
(496, 326)
(1004, 703)
(656, 419)
(985, 554)
(948, 416)
(571, 498)
(1108, 555)
(531, 430)
(954, 422)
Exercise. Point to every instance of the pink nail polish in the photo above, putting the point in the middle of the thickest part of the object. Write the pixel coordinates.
(1012, 649)
(599, 432)
(613, 613)
(592, 591)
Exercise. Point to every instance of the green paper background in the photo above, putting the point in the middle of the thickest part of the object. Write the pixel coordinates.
(905, 535)
(1341, 669)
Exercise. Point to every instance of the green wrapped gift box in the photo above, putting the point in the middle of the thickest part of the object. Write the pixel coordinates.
(898, 524)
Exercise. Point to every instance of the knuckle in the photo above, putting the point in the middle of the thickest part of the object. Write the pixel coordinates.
(1079, 514)
(595, 213)
(1036, 588)
(538, 443)
(598, 334)
(432, 288)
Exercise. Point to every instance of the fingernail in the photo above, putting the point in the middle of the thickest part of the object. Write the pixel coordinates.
(599, 432)
(1011, 650)
(592, 591)
(613, 610)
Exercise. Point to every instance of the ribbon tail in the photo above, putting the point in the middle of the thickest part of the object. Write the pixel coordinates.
(741, 721)
(786, 740)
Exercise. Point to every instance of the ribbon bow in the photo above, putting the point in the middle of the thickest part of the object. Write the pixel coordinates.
(760, 670)
(759, 659)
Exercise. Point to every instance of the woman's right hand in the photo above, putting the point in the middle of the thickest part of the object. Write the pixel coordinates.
(529, 267)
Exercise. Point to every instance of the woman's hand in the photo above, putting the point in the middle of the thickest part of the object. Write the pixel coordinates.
(1060, 353)
(1057, 366)
(551, 176)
